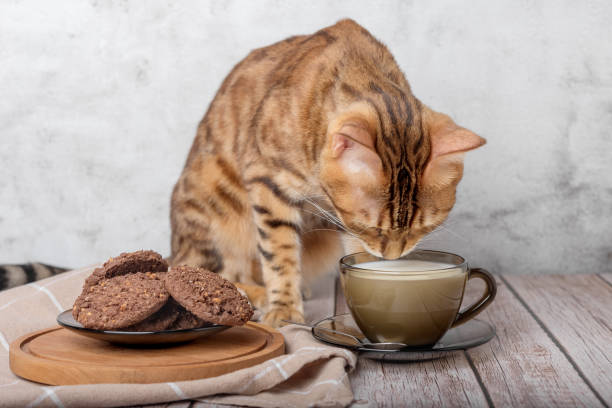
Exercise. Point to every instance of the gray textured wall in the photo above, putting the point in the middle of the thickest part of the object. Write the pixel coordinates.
(99, 101)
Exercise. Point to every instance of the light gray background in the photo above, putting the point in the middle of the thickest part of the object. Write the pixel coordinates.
(99, 102)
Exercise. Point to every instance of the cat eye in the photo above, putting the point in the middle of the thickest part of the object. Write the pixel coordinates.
(358, 133)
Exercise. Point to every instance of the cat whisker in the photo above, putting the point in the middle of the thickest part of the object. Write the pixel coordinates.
(332, 218)
(321, 229)
(443, 228)
(318, 207)
(326, 216)
(324, 211)
(362, 230)
(429, 239)
(337, 224)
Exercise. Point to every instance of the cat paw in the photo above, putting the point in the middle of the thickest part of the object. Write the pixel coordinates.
(255, 293)
(275, 316)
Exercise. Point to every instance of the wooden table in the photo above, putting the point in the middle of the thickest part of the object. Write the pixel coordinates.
(553, 348)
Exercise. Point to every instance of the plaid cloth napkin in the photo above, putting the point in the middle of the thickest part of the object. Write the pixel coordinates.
(309, 374)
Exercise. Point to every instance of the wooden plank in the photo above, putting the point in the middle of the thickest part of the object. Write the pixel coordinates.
(607, 277)
(445, 382)
(576, 310)
(522, 366)
(448, 381)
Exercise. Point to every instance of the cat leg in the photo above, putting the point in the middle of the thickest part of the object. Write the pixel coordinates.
(212, 225)
(251, 283)
(232, 267)
(277, 218)
(256, 294)
(201, 253)
(190, 218)
(191, 242)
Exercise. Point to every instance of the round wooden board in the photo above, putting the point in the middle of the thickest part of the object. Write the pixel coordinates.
(58, 356)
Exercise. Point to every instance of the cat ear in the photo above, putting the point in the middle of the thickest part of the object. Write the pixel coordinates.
(353, 147)
(449, 142)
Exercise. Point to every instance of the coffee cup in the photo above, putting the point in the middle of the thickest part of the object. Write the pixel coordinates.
(413, 300)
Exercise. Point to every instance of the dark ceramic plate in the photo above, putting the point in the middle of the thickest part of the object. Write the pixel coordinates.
(470, 334)
(66, 320)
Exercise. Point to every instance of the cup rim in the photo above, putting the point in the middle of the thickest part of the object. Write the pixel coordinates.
(463, 263)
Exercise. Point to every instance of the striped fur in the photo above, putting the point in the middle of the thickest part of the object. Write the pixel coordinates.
(16, 275)
(308, 138)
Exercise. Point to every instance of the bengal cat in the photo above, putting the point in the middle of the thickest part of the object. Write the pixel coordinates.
(312, 147)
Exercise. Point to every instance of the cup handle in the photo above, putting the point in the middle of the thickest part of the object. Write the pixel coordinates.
(483, 302)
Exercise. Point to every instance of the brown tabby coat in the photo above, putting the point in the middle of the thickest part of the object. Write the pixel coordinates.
(311, 135)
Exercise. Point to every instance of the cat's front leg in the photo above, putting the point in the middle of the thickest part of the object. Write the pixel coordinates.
(277, 217)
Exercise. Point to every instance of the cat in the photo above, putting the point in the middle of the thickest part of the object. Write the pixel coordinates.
(312, 147)
(15, 275)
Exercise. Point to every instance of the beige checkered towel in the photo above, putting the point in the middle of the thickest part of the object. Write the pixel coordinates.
(310, 374)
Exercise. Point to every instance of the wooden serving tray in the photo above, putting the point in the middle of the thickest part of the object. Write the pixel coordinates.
(58, 356)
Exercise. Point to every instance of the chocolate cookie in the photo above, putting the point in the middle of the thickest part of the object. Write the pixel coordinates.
(120, 301)
(187, 320)
(163, 319)
(128, 262)
(208, 296)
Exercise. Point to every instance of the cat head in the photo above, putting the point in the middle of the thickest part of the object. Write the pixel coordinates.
(392, 181)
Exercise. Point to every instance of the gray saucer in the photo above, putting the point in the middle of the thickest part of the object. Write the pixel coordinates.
(471, 334)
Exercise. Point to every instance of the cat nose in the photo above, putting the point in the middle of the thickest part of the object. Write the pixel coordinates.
(392, 251)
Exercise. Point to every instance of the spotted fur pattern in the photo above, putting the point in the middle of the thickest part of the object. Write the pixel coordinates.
(312, 147)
